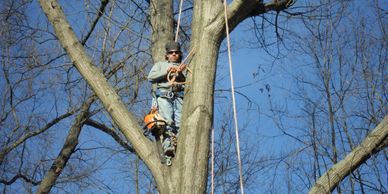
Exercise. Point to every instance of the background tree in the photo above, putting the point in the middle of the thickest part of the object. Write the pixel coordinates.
(338, 97)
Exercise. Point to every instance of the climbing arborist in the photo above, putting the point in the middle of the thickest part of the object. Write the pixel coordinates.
(168, 94)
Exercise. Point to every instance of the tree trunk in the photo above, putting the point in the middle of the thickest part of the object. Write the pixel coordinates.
(162, 24)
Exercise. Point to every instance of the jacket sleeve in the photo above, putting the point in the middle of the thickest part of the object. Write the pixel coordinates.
(158, 72)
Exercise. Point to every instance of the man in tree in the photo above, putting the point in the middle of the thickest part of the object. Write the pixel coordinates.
(168, 79)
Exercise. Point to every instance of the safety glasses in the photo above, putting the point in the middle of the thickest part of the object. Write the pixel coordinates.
(174, 52)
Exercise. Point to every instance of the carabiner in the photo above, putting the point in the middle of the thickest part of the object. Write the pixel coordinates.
(170, 94)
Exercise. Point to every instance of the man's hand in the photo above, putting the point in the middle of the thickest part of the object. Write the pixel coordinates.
(172, 69)
(177, 69)
(181, 68)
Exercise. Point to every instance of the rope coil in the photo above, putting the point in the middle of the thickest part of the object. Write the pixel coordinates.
(172, 74)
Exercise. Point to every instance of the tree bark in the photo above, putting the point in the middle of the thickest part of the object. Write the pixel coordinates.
(373, 143)
(162, 24)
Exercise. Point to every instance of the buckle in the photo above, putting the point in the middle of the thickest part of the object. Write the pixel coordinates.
(169, 94)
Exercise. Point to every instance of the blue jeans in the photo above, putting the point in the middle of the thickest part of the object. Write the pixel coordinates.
(170, 109)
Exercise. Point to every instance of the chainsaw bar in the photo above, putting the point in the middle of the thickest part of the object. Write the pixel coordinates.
(159, 148)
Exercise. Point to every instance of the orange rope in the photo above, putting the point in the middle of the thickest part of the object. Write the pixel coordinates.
(171, 77)
(233, 98)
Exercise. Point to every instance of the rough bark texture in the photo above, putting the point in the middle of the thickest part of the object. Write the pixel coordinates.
(373, 143)
(162, 23)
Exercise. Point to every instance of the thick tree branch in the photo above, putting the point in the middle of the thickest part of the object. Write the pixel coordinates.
(239, 10)
(277, 6)
(371, 145)
(98, 83)
(258, 8)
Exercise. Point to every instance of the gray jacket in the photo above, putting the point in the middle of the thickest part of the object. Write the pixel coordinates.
(158, 75)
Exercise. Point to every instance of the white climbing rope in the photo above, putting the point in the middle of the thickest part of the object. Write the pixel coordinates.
(212, 187)
(179, 21)
(233, 98)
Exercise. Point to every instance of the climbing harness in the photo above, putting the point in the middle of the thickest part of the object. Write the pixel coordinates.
(174, 92)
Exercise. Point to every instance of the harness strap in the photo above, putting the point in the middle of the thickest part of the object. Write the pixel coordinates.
(154, 96)
(171, 93)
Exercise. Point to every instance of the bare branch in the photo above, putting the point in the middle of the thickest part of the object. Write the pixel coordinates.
(110, 132)
(32, 134)
(19, 176)
(104, 3)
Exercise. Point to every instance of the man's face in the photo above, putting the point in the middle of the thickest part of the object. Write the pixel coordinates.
(174, 56)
